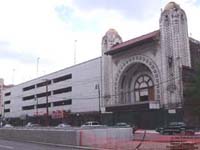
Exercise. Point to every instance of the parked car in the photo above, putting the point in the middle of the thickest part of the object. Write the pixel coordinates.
(29, 124)
(122, 125)
(7, 126)
(91, 124)
(63, 125)
(125, 125)
(175, 128)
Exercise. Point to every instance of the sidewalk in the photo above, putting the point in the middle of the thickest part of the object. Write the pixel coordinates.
(137, 145)
(151, 141)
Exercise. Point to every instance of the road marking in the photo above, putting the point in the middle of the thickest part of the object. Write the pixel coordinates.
(7, 147)
(69, 146)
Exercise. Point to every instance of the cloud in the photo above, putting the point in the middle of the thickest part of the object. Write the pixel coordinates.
(64, 12)
(10, 53)
(25, 58)
(48, 29)
(129, 8)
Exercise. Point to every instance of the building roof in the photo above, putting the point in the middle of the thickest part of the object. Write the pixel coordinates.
(171, 5)
(111, 31)
(133, 42)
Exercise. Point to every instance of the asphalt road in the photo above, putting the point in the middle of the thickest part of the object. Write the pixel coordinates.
(16, 145)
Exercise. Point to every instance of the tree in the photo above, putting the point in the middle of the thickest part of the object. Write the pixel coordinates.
(192, 93)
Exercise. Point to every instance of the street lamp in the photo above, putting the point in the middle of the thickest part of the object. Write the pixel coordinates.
(47, 104)
(78, 119)
(98, 88)
(37, 66)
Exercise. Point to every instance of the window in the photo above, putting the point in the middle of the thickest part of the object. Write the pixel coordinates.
(62, 78)
(7, 102)
(28, 97)
(144, 88)
(63, 102)
(44, 105)
(63, 90)
(44, 83)
(29, 88)
(28, 107)
(95, 123)
(7, 94)
(43, 94)
(87, 123)
(6, 110)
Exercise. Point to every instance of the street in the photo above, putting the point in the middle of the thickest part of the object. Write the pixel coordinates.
(16, 145)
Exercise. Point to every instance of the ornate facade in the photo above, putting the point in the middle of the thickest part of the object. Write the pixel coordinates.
(143, 76)
(140, 81)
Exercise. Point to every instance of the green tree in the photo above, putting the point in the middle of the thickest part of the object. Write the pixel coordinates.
(192, 93)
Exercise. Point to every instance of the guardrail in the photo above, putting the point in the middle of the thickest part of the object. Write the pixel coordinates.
(94, 137)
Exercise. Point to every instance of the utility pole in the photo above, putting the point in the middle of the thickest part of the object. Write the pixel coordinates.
(3, 113)
(36, 109)
(47, 104)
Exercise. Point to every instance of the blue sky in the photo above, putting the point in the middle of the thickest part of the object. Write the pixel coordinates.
(47, 29)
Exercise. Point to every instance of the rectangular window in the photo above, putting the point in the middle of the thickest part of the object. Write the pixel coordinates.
(62, 78)
(6, 110)
(43, 94)
(29, 88)
(63, 102)
(28, 107)
(143, 92)
(44, 105)
(137, 96)
(144, 98)
(7, 102)
(28, 97)
(7, 94)
(44, 83)
(63, 90)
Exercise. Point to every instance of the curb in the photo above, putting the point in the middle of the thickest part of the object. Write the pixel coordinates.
(56, 145)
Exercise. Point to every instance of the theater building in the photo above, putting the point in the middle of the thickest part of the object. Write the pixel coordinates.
(139, 81)
(143, 77)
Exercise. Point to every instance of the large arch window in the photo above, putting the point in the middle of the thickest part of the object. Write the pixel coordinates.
(144, 88)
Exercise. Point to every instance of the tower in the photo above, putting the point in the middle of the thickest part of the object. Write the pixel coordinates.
(110, 39)
(175, 52)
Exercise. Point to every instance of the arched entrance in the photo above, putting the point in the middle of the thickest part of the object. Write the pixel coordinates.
(136, 85)
(137, 80)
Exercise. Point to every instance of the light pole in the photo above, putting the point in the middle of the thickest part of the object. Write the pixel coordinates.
(2, 114)
(78, 119)
(13, 76)
(98, 88)
(37, 66)
(47, 103)
(75, 41)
